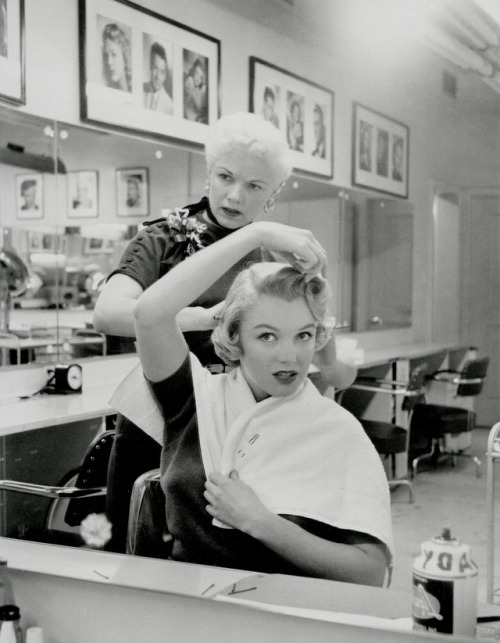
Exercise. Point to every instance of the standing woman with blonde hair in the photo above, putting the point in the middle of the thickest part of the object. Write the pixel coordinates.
(247, 163)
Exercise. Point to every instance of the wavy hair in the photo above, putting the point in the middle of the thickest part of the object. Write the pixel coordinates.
(276, 280)
(116, 34)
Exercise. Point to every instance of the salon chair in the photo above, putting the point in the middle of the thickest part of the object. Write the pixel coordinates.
(147, 533)
(81, 492)
(389, 438)
(444, 425)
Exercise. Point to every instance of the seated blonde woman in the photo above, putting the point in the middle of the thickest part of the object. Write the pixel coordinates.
(259, 471)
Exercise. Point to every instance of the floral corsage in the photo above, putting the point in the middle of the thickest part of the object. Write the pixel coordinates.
(185, 229)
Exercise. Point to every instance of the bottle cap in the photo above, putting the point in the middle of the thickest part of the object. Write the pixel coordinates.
(34, 635)
(9, 613)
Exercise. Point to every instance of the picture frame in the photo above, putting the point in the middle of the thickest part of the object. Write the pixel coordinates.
(29, 196)
(12, 52)
(96, 246)
(380, 157)
(83, 194)
(41, 242)
(301, 109)
(132, 192)
(176, 103)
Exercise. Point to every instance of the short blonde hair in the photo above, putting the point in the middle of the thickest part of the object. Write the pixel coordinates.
(253, 132)
(276, 280)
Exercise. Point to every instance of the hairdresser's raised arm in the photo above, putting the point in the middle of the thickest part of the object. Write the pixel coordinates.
(161, 345)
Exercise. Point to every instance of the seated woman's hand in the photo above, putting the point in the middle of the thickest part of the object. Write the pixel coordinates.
(297, 246)
(233, 502)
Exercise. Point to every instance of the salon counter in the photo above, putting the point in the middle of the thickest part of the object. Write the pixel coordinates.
(102, 375)
(79, 595)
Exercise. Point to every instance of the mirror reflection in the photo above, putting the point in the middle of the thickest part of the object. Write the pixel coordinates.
(66, 220)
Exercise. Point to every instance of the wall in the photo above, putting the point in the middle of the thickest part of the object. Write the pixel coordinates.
(375, 63)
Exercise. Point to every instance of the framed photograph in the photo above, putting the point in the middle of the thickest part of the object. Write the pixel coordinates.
(12, 56)
(302, 110)
(83, 196)
(142, 72)
(29, 196)
(380, 152)
(42, 242)
(93, 246)
(132, 192)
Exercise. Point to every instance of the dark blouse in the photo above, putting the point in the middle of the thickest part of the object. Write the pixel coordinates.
(162, 244)
(183, 478)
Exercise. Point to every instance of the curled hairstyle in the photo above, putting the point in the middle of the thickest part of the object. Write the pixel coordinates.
(252, 132)
(116, 34)
(276, 280)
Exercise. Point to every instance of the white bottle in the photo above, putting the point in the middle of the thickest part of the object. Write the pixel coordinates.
(445, 587)
(10, 632)
(34, 635)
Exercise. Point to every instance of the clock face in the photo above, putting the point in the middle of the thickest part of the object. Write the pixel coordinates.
(74, 377)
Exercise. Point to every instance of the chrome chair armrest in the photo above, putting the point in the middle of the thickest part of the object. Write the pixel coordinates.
(445, 375)
(379, 380)
(46, 491)
(398, 392)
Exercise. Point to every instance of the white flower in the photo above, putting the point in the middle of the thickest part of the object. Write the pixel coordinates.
(95, 530)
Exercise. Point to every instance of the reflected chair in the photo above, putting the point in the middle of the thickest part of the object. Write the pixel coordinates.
(389, 438)
(448, 429)
(147, 532)
(81, 492)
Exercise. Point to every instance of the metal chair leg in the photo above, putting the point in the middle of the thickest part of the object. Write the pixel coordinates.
(406, 483)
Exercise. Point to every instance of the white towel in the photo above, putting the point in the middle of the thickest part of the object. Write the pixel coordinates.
(303, 454)
(134, 399)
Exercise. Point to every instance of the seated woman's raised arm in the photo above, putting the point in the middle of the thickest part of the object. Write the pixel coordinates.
(161, 345)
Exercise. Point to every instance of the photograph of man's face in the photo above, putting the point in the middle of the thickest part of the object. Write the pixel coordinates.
(319, 132)
(29, 194)
(133, 191)
(158, 70)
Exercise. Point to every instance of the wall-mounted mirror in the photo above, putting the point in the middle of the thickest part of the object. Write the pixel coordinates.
(67, 212)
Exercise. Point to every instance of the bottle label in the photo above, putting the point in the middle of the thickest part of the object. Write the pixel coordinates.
(433, 601)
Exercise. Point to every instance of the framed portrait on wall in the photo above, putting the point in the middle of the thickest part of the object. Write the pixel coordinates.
(142, 72)
(29, 196)
(83, 197)
(132, 192)
(12, 52)
(42, 242)
(302, 110)
(380, 155)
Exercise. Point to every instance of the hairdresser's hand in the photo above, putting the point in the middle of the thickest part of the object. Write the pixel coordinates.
(197, 318)
(297, 246)
(212, 316)
(233, 502)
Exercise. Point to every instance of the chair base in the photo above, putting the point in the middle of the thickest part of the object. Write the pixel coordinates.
(437, 453)
(402, 481)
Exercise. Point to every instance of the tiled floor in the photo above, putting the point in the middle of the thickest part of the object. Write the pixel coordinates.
(446, 497)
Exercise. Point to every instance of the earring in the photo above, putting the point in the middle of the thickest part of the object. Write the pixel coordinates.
(269, 204)
(207, 186)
